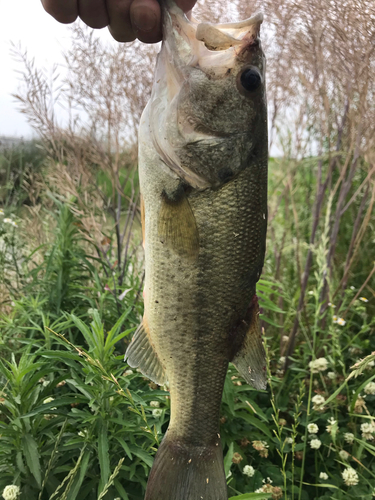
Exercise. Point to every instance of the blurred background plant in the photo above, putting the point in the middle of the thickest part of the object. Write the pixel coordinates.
(75, 421)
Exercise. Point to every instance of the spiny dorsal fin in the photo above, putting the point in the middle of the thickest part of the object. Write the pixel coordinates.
(141, 354)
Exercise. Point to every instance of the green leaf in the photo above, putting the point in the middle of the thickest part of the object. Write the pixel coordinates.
(228, 459)
(120, 490)
(103, 452)
(142, 454)
(255, 422)
(79, 479)
(30, 449)
(126, 447)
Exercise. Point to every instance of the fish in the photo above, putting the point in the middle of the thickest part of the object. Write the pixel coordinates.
(203, 154)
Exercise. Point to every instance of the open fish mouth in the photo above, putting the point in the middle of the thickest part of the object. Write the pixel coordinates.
(211, 47)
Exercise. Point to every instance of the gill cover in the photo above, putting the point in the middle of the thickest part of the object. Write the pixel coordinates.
(191, 51)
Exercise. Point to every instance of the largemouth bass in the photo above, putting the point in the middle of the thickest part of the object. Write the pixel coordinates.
(203, 176)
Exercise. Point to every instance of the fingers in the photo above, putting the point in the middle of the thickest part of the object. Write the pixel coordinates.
(65, 11)
(119, 20)
(93, 13)
(126, 19)
(145, 17)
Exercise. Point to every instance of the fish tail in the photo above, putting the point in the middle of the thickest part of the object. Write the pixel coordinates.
(183, 471)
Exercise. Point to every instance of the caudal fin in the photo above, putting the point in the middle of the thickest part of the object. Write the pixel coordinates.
(186, 472)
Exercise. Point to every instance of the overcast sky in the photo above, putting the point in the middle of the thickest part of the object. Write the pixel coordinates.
(26, 22)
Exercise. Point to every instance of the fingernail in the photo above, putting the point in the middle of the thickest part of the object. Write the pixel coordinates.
(143, 19)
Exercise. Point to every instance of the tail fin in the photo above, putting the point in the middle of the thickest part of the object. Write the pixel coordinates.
(182, 471)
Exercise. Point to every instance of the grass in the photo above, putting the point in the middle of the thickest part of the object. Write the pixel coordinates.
(76, 422)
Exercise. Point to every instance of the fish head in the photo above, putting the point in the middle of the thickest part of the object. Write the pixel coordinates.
(208, 107)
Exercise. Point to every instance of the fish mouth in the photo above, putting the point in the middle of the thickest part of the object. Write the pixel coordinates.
(213, 48)
(189, 46)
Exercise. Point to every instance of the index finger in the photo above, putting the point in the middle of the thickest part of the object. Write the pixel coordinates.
(64, 11)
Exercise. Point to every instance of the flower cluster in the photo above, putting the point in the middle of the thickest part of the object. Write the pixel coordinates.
(332, 425)
(344, 455)
(262, 447)
(370, 388)
(350, 476)
(11, 492)
(10, 221)
(318, 365)
(349, 437)
(323, 476)
(368, 430)
(317, 401)
(248, 470)
(315, 444)
(339, 321)
(312, 429)
(275, 491)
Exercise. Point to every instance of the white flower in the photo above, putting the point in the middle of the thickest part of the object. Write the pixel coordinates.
(311, 292)
(315, 444)
(289, 440)
(370, 388)
(331, 305)
(352, 288)
(267, 481)
(318, 400)
(285, 338)
(157, 413)
(341, 322)
(282, 360)
(331, 375)
(49, 400)
(318, 365)
(371, 364)
(332, 424)
(128, 372)
(334, 319)
(312, 428)
(82, 434)
(350, 476)
(10, 221)
(1, 211)
(349, 437)
(363, 299)
(323, 475)
(155, 404)
(248, 471)
(344, 455)
(368, 429)
(11, 492)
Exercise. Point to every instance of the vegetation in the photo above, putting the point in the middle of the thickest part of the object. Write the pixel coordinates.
(75, 421)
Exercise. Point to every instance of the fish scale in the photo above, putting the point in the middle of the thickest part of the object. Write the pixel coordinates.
(204, 224)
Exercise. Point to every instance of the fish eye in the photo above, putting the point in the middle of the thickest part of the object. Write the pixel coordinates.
(250, 79)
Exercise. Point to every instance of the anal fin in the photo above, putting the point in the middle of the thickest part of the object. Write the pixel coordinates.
(250, 357)
(141, 354)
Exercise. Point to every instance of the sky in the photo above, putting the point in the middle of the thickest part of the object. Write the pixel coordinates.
(26, 22)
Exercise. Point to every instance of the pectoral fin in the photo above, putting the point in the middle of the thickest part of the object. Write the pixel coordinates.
(141, 354)
(177, 228)
(250, 358)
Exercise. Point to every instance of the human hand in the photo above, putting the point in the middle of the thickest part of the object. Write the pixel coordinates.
(126, 19)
